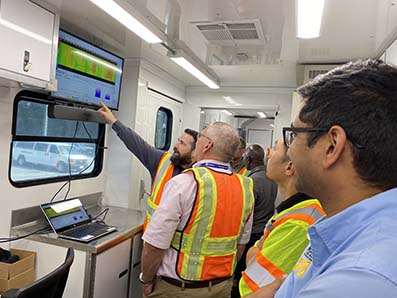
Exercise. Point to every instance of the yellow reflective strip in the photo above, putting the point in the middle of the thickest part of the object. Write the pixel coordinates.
(221, 246)
(202, 223)
(162, 170)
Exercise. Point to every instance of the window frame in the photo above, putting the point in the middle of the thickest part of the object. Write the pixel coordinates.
(168, 136)
(43, 98)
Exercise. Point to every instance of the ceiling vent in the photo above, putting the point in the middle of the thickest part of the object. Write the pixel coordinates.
(232, 32)
(312, 71)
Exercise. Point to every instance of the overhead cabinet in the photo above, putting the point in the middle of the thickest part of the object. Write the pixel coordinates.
(28, 43)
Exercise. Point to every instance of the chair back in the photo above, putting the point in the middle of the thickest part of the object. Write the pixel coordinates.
(51, 285)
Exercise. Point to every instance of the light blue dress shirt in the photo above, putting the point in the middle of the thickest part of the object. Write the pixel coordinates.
(351, 254)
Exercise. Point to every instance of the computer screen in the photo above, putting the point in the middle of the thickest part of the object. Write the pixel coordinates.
(65, 214)
(87, 74)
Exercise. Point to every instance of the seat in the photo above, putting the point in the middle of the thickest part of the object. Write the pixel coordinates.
(51, 285)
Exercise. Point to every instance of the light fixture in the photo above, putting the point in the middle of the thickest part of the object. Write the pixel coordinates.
(185, 64)
(140, 27)
(185, 58)
(230, 100)
(309, 14)
(227, 112)
(262, 115)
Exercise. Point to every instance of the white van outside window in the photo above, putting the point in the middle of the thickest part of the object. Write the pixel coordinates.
(45, 150)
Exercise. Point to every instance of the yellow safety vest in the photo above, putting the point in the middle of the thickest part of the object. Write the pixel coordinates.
(207, 246)
(243, 171)
(164, 173)
(285, 238)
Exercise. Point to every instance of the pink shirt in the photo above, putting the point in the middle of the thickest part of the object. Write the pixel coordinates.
(173, 213)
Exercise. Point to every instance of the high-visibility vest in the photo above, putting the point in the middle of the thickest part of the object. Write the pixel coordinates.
(285, 238)
(164, 173)
(207, 246)
(243, 171)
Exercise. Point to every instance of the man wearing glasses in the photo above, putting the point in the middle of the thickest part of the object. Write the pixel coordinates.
(284, 238)
(343, 146)
(203, 222)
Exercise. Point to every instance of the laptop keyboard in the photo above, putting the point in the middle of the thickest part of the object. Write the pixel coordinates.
(90, 229)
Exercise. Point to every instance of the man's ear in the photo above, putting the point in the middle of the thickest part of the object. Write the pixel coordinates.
(334, 146)
(289, 169)
(208, 146)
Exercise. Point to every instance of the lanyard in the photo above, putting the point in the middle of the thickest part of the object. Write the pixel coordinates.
(214, 165)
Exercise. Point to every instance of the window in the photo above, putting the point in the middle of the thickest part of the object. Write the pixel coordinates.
(162, 138)
(46, 150)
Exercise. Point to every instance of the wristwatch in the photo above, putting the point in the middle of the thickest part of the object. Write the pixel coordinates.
(143, 281)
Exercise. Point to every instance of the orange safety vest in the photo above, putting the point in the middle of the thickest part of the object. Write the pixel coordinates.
(207, 246)
(163, 175)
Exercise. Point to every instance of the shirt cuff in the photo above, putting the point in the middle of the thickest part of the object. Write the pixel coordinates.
(116, 126)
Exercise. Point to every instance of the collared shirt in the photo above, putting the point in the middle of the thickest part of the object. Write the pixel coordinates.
(351, 254)
(174, 211)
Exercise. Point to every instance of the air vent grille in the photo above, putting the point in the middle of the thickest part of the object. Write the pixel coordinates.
(249, 31)
(315, 73)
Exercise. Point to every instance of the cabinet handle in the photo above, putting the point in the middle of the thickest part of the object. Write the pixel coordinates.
(123, 273)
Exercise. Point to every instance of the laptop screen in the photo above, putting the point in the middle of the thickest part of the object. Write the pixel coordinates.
(65, 214)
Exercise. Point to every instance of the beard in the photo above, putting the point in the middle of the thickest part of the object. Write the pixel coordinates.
(181, 160)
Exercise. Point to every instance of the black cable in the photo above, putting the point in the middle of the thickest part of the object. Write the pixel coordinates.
(69, 164)
(9, 239)
(89, 165)
(68, 181)
(102, 220)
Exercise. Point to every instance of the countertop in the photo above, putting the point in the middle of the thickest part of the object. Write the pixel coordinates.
(128, 222)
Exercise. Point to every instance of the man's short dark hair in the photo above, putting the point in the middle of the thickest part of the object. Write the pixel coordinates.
(194, 135)
(361, 97)
(256, 153)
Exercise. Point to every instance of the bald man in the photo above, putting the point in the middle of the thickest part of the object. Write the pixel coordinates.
(203, 222)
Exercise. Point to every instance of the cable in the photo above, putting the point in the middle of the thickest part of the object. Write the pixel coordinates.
(102, 220)
(69, 164)
(87, 167)
(9, 239)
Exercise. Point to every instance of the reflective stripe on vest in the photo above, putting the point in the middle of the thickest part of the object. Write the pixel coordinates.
(164, 173)
(261, 271)
(243, 171)
(207, 250)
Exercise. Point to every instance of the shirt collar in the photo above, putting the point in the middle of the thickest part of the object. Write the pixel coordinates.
(293, 200)
(257, 169)
(332, 231)
(214, 165)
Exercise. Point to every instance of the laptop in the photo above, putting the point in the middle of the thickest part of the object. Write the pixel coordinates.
(70, 220)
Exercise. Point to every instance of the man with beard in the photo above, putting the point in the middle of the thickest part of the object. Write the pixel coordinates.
(161, 164)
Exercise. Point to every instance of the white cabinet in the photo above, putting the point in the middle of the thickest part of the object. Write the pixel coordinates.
(28, 50)
(112, 271)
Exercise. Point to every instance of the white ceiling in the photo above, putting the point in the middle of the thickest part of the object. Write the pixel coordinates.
(351, 29)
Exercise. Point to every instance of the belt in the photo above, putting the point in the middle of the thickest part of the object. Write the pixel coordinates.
(193, 284)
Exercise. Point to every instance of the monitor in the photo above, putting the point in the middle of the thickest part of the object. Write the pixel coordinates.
(87, 74)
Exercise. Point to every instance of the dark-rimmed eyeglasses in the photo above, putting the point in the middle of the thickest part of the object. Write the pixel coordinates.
(289, 134)
(204, 136)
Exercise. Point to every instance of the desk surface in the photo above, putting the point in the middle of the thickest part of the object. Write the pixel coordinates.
(127, 221)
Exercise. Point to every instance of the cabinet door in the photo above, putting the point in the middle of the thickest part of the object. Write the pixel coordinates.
(112, 271)
(26, 30)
